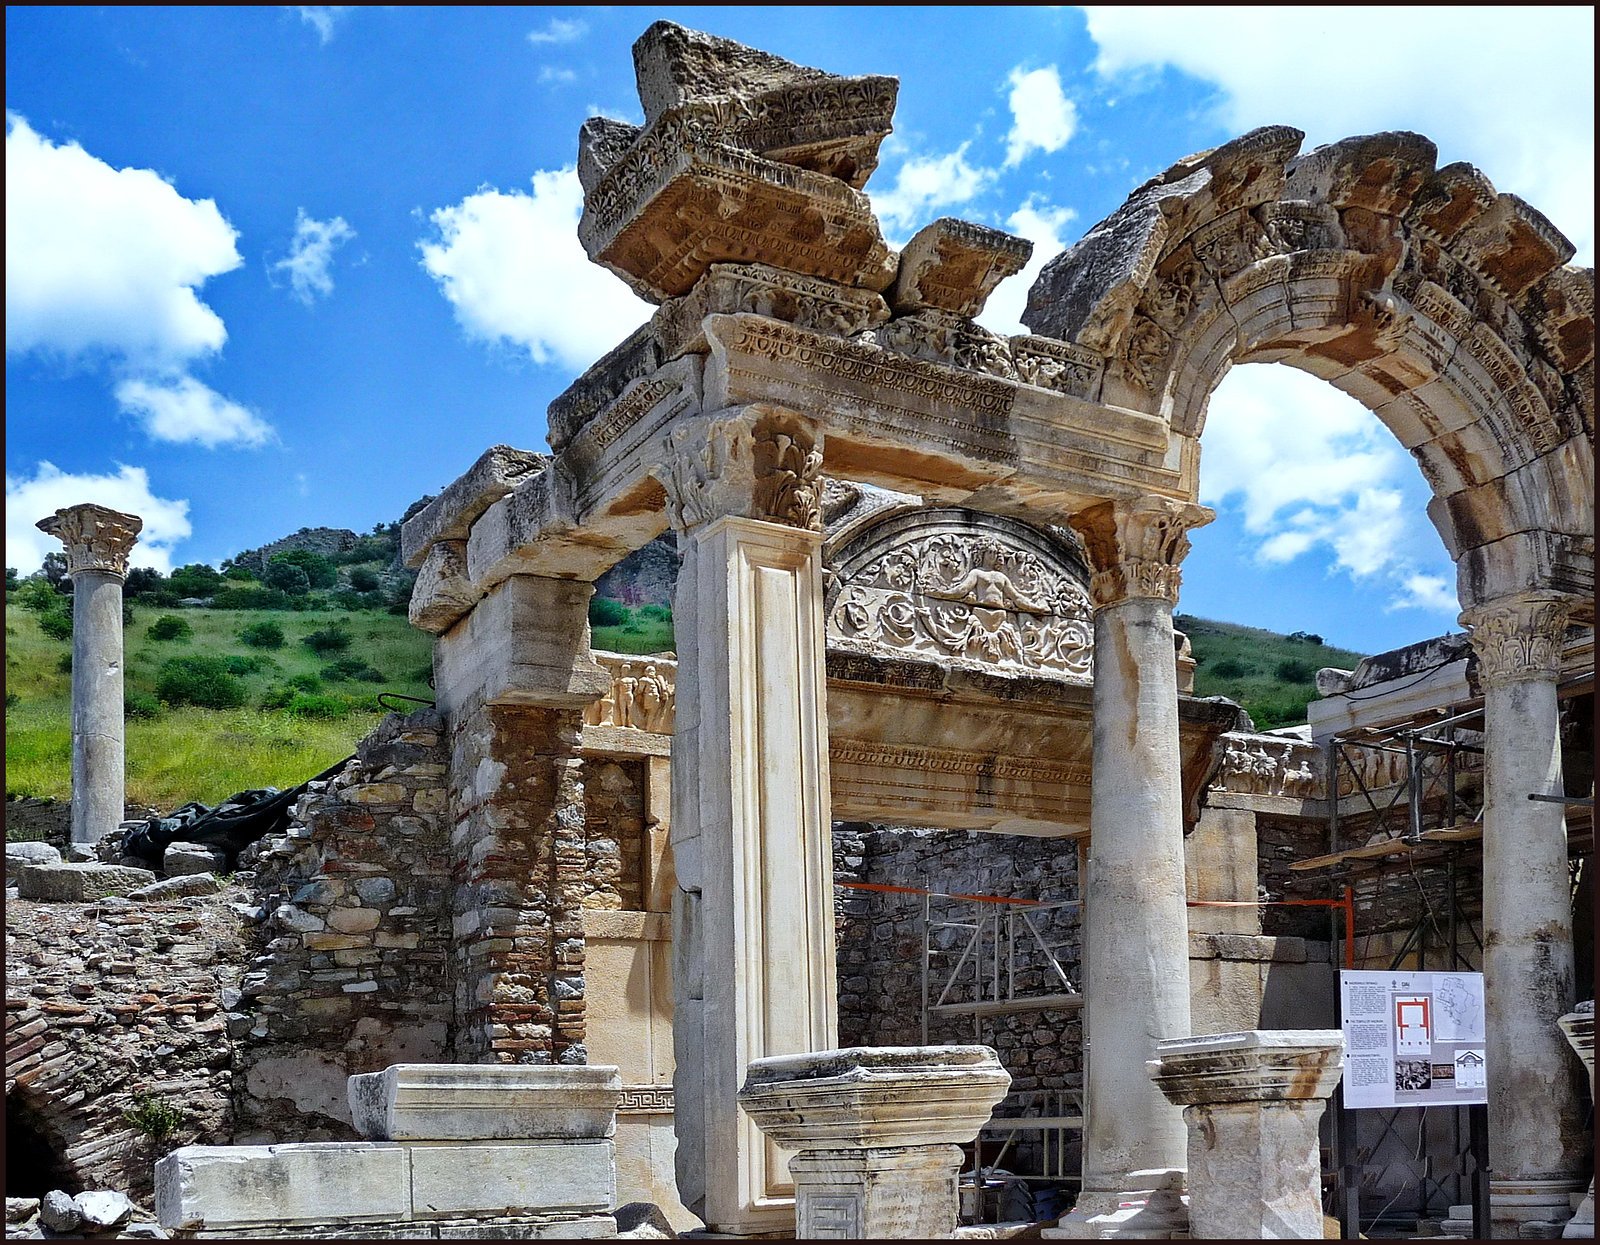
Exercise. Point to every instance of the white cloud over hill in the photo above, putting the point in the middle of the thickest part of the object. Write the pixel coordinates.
(29, 499)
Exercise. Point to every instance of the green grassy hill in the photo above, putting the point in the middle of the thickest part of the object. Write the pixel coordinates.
(1271, 675)
(322, 704)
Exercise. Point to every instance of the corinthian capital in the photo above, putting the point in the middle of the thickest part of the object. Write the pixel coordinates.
(1135, 547)
(1518, 637)
(756, 463)
(97, 538)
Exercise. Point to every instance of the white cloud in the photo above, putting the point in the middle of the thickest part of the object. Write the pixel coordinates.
(100, 260)
(180, 408)
(549, 75)
(559, 30)
(1042, 224)
(512, 268)
(1042, 118)
(1509, 88)
(102, 266)
(166, 522)
(311, 255)
(323, 17)
(1309, 468)
(924, 184)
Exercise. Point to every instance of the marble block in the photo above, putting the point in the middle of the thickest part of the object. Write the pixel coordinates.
(464, 1102)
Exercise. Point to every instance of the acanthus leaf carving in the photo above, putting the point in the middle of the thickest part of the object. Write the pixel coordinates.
(1518, 638)
(97, 538)
(1137, 547)
(755, 464)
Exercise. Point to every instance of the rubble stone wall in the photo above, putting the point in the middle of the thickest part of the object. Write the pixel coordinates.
(116, 1004)
(880, 941)
(352, 968)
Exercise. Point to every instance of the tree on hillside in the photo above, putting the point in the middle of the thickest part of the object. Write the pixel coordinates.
(320, 571)
(195, 580)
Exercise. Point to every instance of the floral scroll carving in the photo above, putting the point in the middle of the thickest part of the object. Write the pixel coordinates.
(1518, 638)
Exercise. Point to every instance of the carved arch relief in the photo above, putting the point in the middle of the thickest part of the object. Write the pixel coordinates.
(1443, 306)
(961, 587)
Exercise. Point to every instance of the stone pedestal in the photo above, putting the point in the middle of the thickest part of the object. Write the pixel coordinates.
(1537, 1142)
(1135, 913)
(1252, 1102)
(98, 541)
(753, 953)
(465, 1150)
(1579, 1028)
(878, 1132)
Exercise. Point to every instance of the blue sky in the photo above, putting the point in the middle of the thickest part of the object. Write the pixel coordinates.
(277, 267)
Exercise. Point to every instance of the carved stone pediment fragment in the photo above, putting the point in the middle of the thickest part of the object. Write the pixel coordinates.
(637, 355)
(954, 265)
(807, 302)
(674, 205)
(963, 587)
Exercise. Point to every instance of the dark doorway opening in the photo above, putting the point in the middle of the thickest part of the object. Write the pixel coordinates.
(34, 1164)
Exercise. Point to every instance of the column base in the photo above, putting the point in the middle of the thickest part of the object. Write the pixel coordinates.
(1531, 1209)
(1154, 1209)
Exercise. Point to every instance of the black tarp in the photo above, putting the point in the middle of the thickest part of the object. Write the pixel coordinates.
(234, 824)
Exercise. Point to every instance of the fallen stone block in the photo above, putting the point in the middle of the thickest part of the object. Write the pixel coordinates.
(434, 1102)
(58, 1212)
(75, 883)
(181, 859)
(20, 855)
(178, 888)
(21, 1209)
(103, 1208)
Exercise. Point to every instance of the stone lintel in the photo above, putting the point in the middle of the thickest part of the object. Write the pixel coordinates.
(634, 358)
(474, 1102)
(526, 642)
(810, 303)
(450, 515)
(1261, 1065)
(443, 591)
(954, 265)
(97, 538)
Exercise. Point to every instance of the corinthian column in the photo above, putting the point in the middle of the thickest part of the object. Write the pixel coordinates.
(98, 541)
(1136, 926)
(753, 948)
(1536, 1139)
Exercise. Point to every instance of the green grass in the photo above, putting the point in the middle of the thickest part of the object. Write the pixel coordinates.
(641, 635)
(1243, 664)
(184, 753)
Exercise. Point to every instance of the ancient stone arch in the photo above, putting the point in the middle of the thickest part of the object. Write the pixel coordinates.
(1441, 305)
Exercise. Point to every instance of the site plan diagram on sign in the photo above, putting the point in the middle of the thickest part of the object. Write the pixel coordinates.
(1413, 1039)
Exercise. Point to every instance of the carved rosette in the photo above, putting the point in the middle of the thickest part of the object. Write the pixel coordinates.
(1518, 638)
(97, 538)
(1136, 547)
(757, 464)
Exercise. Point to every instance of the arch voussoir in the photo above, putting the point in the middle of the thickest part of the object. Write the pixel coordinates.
(1441, 304)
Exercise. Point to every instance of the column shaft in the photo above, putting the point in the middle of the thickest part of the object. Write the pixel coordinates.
(1535, 1113)
(753, 915)
(1135, 917)
(97, 720)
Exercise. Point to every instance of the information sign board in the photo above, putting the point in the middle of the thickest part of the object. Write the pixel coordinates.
(1413, 1039)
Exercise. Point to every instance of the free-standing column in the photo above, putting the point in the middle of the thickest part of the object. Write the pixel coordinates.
(98, 541)
(753, 948)
(1135, 917)
(1536, 1139)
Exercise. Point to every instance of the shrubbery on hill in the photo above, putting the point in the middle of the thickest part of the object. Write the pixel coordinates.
(170, 627)
(334, 638)
(203, 681)
(264, 634)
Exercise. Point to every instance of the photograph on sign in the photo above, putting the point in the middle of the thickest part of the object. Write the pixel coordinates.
(1413, 1039)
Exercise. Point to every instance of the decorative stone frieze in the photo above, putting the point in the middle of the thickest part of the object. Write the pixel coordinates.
(878, 1132)
(756, 464)
(1270, 765)
(97, 538)
(953, 265)
(958, 585)
(810, 303)
(1137, 547)
(637, 356)
(1252, 1102)
(1518, 638)
(641, 697)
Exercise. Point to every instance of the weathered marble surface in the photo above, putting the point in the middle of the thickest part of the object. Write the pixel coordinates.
(441, 1102)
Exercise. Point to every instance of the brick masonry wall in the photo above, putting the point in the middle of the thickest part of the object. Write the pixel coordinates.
(520, 853)
(351, 970)
(110, 1001)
